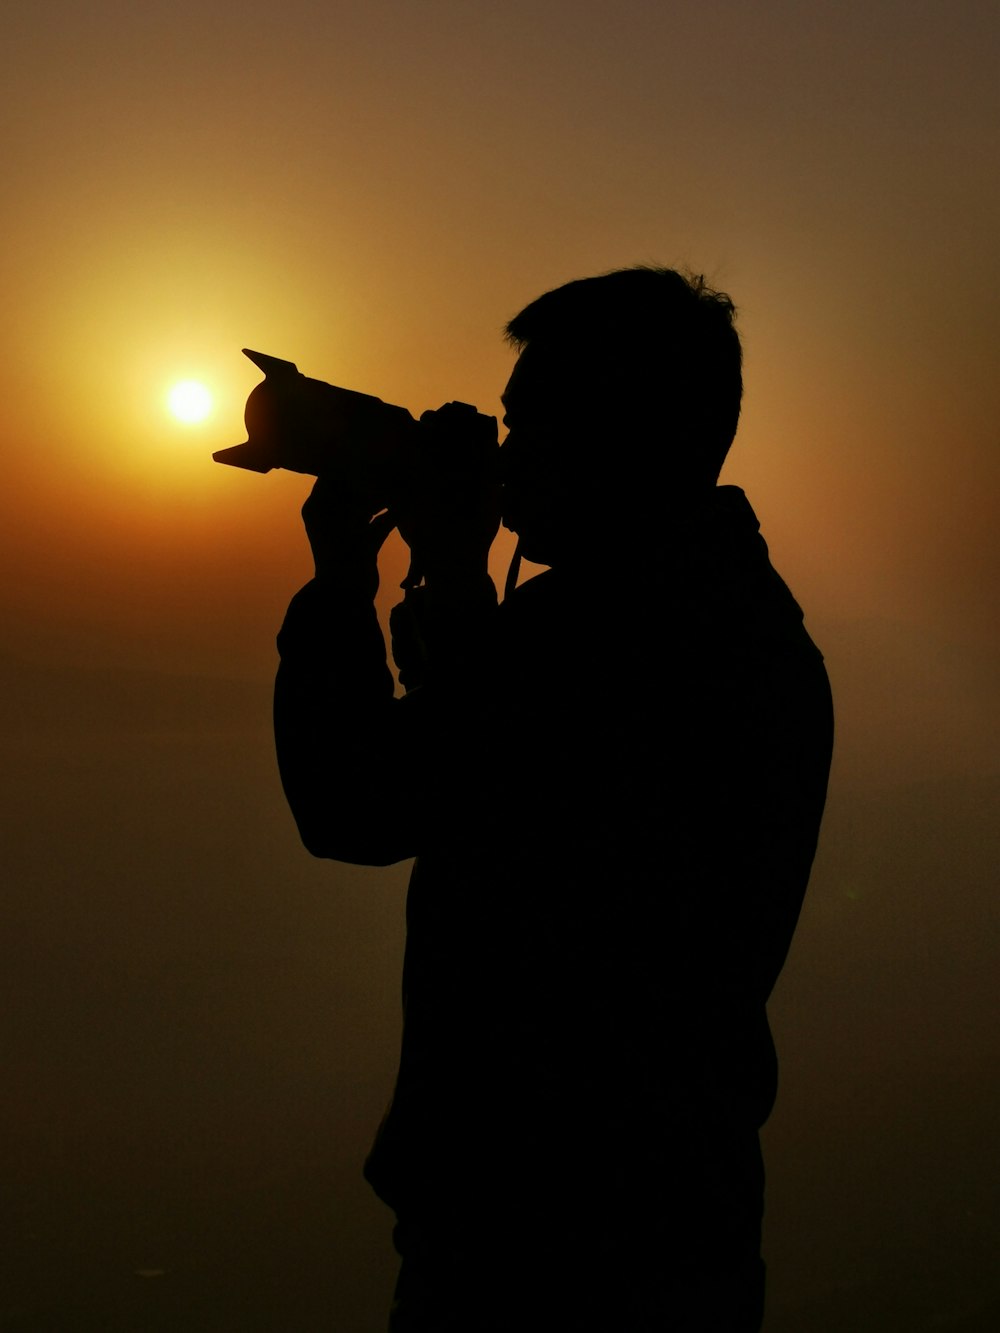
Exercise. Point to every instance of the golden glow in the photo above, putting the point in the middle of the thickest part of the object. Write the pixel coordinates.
(189, 401)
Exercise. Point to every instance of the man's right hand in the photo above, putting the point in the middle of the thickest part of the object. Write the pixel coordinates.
(451, 512)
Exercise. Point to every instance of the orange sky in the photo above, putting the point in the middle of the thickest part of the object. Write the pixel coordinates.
(372, 193)
(372, 190)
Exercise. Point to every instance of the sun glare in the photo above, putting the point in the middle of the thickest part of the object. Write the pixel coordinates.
(189, 401)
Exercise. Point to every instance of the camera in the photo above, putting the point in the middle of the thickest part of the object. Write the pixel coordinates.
(307, 425)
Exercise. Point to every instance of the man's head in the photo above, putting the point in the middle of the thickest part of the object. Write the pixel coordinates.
(625, 397)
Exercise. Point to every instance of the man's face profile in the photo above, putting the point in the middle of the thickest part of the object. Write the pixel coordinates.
(548, 456)
(581, 454)
(529, 495)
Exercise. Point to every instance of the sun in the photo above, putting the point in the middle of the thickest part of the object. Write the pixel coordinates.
(189, 401)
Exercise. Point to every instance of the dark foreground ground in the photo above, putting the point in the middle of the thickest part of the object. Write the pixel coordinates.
(199, 1025)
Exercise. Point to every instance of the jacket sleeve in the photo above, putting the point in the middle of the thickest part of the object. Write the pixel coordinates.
(345, 744)
(367, 775)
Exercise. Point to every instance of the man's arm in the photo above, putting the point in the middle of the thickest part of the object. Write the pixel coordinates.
(339, 739)
(356, 763)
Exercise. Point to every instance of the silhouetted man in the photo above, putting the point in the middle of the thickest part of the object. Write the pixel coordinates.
(613, 784)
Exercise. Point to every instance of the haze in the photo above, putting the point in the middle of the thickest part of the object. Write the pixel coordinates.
(200, 1022)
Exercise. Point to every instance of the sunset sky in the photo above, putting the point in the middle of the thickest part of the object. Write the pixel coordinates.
(371, 191)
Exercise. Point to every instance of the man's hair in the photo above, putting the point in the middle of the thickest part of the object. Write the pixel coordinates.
(667, 344)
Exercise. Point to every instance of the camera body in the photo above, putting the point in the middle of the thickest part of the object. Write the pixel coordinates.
(309, 426)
